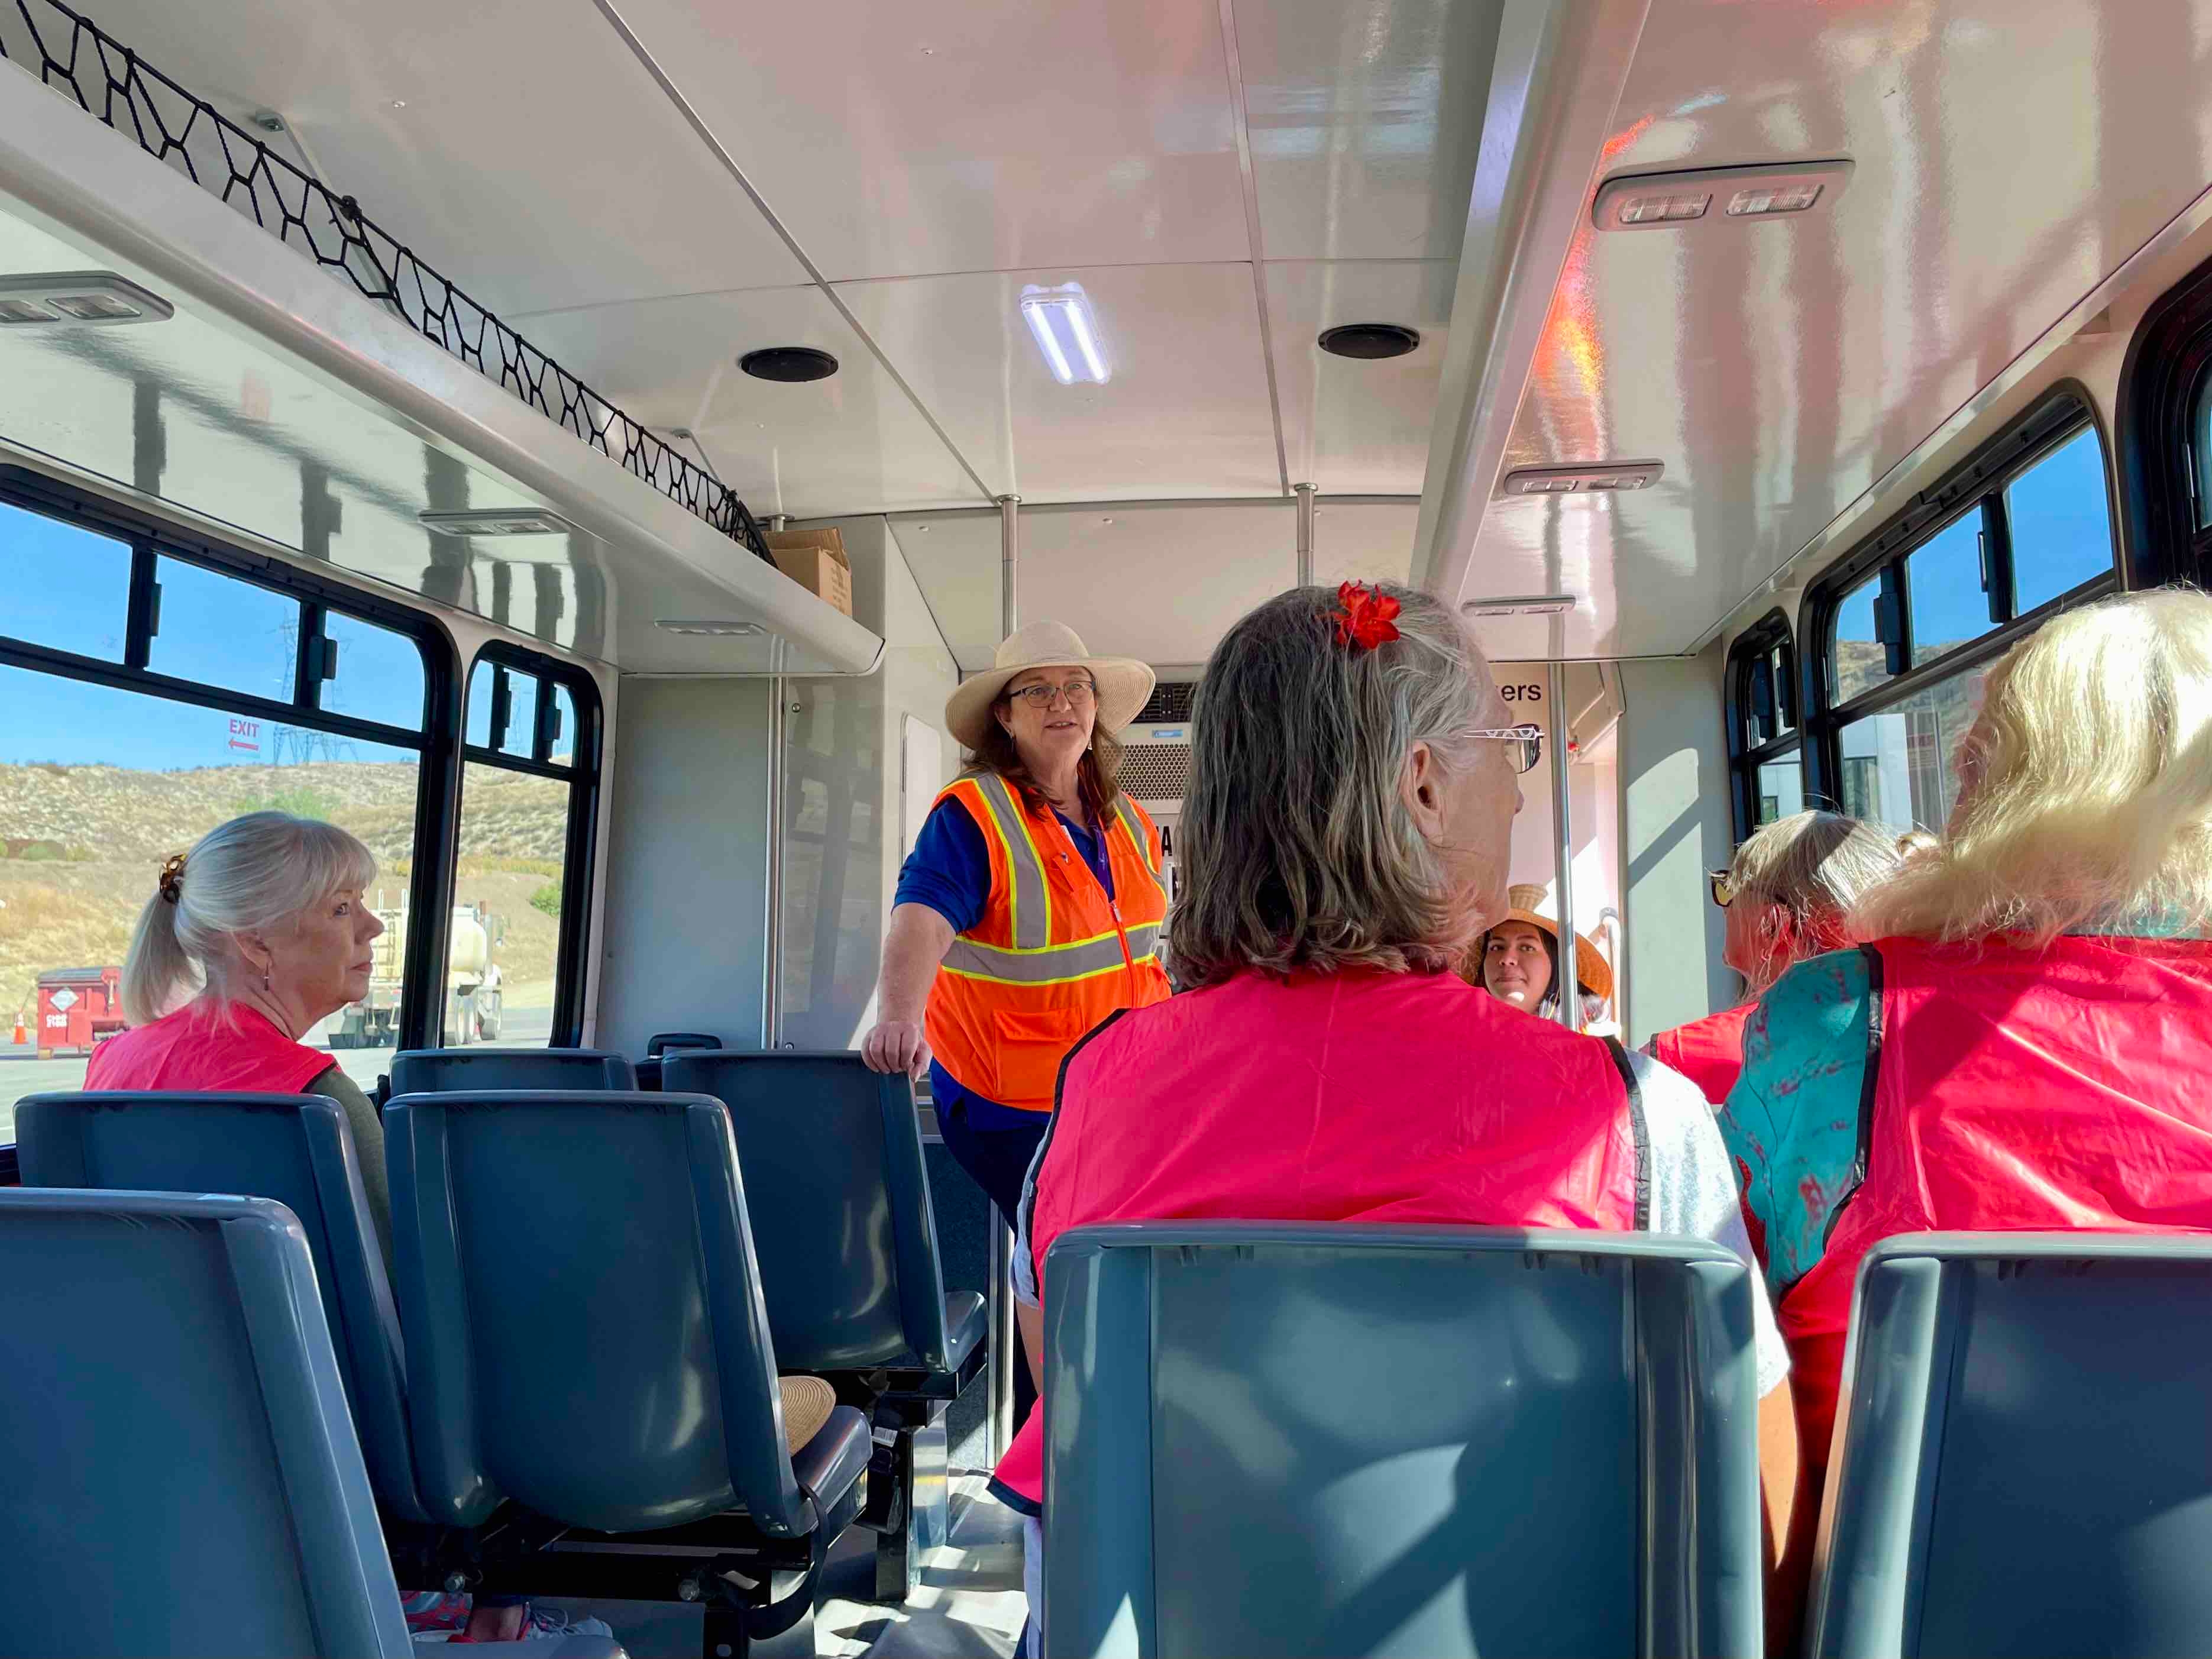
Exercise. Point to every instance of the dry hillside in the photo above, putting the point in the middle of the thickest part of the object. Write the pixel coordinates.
(80, 846)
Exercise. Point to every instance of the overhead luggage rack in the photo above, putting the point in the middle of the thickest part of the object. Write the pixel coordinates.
(73, 56)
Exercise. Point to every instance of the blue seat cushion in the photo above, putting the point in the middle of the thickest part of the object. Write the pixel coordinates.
(965, 1323)
(827, 1466)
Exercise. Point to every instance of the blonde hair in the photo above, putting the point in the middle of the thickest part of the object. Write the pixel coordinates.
(1818, 866)
(2085, 786)
(1298, 848)
(251, 873)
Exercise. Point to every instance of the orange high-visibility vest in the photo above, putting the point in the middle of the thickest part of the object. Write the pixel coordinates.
(1051, 956)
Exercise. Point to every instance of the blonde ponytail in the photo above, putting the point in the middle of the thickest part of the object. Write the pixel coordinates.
(251, 874)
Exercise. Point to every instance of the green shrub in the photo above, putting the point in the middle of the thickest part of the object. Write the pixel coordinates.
(302, 802)
(547, 898)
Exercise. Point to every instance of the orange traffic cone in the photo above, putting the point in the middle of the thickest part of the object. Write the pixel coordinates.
(21, 1036)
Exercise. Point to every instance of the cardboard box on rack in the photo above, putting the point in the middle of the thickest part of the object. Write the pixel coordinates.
(816, 560)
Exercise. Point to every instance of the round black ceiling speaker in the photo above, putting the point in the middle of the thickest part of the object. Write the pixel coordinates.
(1370, 342)
(788, 364)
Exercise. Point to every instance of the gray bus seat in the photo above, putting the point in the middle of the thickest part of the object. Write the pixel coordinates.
(440, 1071)
(181, 1476)
(1307, 1439)
(586, 1337)
(847, 1247)
(661, 1044)
(295, 1149)
(2023, 1461)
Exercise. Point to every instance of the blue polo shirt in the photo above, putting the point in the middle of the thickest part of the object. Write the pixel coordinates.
(949, 870)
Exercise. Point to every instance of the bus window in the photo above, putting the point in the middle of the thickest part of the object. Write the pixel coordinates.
(1763, 708)
(2062, 527)
(1859, 657)
(521, 882)
(1897, 764)
(220, 631)
(1946, 579)
(68, 588)
(102, 779)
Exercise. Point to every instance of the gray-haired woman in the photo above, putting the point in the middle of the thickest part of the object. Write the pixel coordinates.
(1786, 894)
(250, 938)
(1354, 780)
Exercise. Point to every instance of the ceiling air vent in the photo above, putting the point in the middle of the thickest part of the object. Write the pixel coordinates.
(793, 365)
(1171, 701)
(717, 629)
(497, 521)
(1600, 478)
(1155, 771)
(1370, 342)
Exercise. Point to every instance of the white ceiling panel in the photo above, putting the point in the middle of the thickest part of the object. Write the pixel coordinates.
(1349, 427)
(938, 136)
(852, 442)
(1357, 541)
(1161, 583)
(1185, 412)
(1365, 117)
(514, 144)
(2008, 159)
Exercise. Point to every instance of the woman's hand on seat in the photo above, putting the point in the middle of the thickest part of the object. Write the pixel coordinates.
(897, 1045)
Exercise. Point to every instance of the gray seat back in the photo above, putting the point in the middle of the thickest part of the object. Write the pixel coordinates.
(435, 1070)
(296, 1149)
(180, 1475)
(583, 1321)
(839, 1204)
(2023, 1461)
(1279, 1439)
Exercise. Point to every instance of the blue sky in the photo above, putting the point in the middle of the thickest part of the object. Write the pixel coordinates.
(68, 588)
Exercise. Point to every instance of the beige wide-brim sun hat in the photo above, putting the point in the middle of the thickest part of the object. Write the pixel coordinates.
(1123, 684)
(1591, 966)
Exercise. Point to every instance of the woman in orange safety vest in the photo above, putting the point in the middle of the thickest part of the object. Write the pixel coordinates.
(1030, 907)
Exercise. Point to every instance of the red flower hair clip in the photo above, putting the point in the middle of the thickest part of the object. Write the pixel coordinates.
(1364, 617)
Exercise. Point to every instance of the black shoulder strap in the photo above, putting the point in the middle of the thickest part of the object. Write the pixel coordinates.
(1868, 1079)
(1642, 1130)
(1020, 1222)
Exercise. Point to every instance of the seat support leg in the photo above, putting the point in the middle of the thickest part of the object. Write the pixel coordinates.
(918, 1515)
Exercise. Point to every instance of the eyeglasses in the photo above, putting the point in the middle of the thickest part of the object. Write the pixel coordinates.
(1724, 888)
(1529, 741)
(1078, 693)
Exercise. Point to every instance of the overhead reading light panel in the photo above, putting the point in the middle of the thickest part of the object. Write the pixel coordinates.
(60, 298)
(1678, 201)
(497, 521)
(1605, 477)
(1540, 605)
(714, 629)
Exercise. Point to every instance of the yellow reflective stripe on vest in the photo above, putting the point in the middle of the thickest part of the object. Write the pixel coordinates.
(1060, 965)
(1030, 900)
(1143, 843)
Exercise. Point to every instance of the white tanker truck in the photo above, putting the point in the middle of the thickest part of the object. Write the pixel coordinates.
(472, 981)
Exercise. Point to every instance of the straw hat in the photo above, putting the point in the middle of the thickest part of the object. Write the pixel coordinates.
(1123, 685)
(1590, 965)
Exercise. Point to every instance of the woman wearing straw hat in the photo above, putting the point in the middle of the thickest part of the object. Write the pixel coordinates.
(1030, 907)
(1517, 961)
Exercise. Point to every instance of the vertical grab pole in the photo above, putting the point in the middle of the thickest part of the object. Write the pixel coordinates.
(1010, 554)
(778, 726)
(1563, 846)
(999, 1304)
(1305, 492)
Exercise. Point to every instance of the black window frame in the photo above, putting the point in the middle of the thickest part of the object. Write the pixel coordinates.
(1756, 702)
(1977, 484)
(582, 775)
(2168, 373)
(438, 739)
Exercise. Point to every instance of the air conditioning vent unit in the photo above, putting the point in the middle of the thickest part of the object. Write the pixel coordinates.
(1155, 769)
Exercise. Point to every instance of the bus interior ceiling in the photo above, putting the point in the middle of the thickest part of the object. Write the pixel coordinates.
(1071, 265)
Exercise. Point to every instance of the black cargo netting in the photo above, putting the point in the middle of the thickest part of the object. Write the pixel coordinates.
(74, 57)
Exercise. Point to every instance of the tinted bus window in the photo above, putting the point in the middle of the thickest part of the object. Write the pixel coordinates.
(2062, 527)
(1899, 766)
(378, 673)
(1860, 659)
(1949, 590)
(216, 630)
(68, 588)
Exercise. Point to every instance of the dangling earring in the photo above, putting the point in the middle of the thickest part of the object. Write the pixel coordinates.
(264, 982)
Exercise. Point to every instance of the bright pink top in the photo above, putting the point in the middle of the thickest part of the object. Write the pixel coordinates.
(203, 1048)
(1358, 1096)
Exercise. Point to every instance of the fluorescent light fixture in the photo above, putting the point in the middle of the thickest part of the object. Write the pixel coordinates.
(1066, 333)
(1541, 605)
(497, 521)
(1676, 201)
(1599, 477)
(58, 299)
(718, 629)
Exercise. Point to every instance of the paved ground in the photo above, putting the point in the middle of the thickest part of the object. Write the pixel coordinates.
(22, 1073)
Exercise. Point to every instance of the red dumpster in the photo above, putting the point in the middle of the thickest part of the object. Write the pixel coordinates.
(78, 1006)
